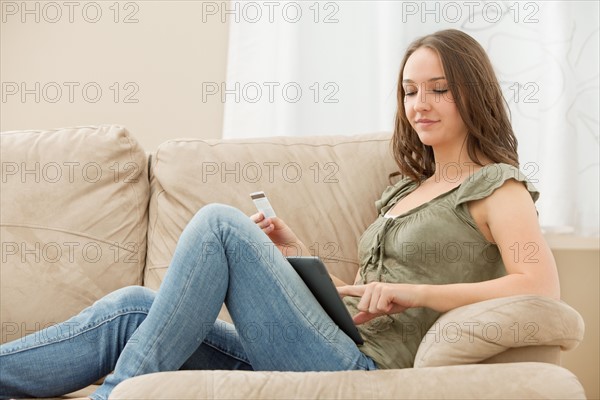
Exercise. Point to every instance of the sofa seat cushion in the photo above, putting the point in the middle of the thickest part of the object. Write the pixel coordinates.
(73, 222)
(324, 187)
(495, 381)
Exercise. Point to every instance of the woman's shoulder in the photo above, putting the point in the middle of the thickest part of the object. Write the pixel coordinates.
(491, 177)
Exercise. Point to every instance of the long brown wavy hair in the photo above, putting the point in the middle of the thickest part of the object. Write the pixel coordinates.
(476, 91)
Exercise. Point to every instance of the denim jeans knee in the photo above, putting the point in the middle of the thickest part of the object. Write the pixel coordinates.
(129, 297)
(214, 213)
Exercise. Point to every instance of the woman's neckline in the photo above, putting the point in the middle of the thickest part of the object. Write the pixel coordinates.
(427, 203)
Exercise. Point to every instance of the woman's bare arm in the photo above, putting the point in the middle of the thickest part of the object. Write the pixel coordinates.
(510, 215)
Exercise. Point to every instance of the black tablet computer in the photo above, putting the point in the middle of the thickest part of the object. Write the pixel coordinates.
(314, 274)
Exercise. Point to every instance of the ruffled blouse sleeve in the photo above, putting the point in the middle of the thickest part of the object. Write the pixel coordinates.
(489, 178)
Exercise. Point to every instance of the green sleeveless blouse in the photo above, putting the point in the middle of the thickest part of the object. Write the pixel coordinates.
(435, 243)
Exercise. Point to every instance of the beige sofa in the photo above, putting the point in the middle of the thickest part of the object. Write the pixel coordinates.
(86, 210)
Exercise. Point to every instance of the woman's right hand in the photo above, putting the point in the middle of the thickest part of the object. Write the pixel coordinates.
(280, 234)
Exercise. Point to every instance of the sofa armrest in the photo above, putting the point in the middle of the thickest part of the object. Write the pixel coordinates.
(476, 332)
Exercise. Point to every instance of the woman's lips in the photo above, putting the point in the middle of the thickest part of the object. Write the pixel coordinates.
(426, 122)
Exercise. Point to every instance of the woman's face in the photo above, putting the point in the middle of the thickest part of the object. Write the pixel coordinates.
(429, 105)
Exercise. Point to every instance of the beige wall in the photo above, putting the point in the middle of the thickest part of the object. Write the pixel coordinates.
(579, 272)
(160, 61)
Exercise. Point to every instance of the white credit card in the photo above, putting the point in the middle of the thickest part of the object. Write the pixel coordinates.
(262, 204)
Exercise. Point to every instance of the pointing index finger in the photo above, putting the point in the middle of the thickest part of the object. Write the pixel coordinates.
(351, 290)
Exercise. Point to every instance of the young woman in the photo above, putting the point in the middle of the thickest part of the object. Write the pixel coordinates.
(446, 236)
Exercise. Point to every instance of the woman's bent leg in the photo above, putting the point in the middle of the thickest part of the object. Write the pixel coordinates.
(281, 325)
(221, 349)
(222, 256)
(74, 354)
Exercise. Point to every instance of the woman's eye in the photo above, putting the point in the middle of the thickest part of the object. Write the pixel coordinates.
(410, 90)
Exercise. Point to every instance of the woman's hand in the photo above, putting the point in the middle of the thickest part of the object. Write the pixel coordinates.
(378, 298)
(281, 235)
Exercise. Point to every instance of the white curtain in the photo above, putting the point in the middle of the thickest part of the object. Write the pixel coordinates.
(331, 68)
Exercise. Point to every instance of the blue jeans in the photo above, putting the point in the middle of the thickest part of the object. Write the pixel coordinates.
(221, 257)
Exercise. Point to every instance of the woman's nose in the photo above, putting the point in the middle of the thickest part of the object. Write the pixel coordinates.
(422, 102)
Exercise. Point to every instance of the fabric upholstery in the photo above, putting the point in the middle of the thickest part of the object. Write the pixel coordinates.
(500, 381)
(73, 222)
(325, 188)
(476, 332)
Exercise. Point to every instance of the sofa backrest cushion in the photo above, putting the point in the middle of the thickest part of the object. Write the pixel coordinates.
(73, 222)
(324, 187)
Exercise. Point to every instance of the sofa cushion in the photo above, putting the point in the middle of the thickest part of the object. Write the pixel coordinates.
(476, 332)
(500, 381)
(324, 187)
(73, 222)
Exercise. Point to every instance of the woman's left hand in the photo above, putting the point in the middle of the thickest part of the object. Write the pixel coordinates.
(378, 298)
